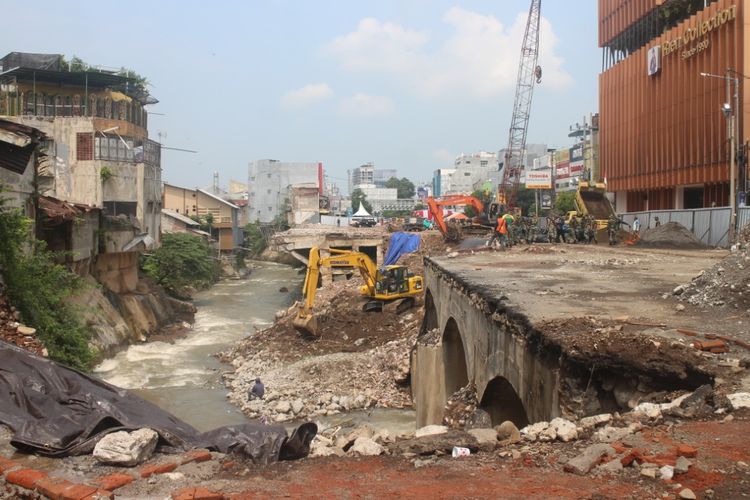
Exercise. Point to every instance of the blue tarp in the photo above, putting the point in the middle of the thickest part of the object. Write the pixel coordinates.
(401, 243)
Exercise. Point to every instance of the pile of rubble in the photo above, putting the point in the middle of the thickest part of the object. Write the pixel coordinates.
(725, 284)
(669, 235)
(14, 332)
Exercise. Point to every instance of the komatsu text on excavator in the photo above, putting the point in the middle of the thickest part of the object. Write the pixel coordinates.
(387, 284)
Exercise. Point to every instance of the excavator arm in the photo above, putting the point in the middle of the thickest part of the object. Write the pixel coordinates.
(435, 205)
(305, 320)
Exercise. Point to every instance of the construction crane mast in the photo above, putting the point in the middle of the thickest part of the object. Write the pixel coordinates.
(529, 73)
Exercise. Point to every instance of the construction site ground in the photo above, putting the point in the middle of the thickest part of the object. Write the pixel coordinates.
(587, 297)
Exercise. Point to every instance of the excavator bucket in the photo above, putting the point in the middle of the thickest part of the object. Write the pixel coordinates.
(307, 326)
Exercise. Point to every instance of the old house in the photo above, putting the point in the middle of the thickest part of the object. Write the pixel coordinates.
(222, 214)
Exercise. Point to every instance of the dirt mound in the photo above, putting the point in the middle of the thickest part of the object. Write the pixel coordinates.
(669, 235)
(725, 284)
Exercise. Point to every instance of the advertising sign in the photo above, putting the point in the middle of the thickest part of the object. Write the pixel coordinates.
(653, 60)
(562, 171)
(539, 179)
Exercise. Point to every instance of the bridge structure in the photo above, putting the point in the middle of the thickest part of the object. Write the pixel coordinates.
(488, 320)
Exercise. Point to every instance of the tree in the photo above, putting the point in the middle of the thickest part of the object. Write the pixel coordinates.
(358, 196)
(565, 202)
(525, 199)
(404, 186)
(182, 261)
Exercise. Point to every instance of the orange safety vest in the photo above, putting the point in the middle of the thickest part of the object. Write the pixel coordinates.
(502, 226)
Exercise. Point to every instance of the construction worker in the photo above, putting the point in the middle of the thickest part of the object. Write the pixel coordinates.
(613, 227)
(510, 229)
(500, 233)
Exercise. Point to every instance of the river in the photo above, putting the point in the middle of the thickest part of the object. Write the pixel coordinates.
(183, 377)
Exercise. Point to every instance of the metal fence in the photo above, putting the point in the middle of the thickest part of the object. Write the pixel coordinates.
(710, 225)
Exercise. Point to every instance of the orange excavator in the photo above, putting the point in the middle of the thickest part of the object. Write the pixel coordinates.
(482, 222)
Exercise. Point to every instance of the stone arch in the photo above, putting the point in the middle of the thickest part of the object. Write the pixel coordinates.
(501, 401)
(430, 321)
(456, 374)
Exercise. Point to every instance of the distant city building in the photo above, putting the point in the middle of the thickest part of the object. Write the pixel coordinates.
(364, 175)
(269, 183)
(381, 176)
(442, 181)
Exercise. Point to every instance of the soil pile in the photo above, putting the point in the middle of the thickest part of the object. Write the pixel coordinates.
(669, 235)
(725, 284)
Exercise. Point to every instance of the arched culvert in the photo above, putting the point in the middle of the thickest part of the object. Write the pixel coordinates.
(454, 359)
(501, 401)
(430, 321)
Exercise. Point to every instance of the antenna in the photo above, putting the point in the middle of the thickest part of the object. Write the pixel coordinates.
(216, 182)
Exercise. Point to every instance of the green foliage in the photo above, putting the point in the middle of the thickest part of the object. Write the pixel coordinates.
(182, 261)
(565, 201)
(106, 173)
(140, 80)
(360, 197)
(38, 286)
(404, 186)
(525, 199)
(255, 243)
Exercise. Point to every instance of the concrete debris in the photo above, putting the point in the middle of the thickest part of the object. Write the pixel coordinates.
(591, 456)
(532, 432)
(739, 400)
(687, 494)
(595, 420)
(649, 410)
(649, 470)
(666, 472)
(724, 284)
(611, 434)
(430, 430)
(436, 443)
(127, 449)
(461, 408)
(564, 429)
(612, 466)
(487, 438)
(682, 465)
(366, 447)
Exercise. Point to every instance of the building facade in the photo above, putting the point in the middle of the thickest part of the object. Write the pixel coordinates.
(97, 135)
(269, 183)
(670, 70)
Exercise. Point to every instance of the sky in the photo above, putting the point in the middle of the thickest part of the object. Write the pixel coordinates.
(406, 84)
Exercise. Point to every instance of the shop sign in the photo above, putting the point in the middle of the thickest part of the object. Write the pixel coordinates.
(687, 40)
(539, 179)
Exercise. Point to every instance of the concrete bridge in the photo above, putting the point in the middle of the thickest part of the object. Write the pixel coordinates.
(485, 320)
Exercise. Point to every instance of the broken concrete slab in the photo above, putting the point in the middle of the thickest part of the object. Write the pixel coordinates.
(430, 430)
(591, 456)
(127, 449)
(565, 430)
(366, 447)
(739, 400)
(595, 420)
(444, 442)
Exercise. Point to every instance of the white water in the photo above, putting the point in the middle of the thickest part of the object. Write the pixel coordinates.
(183, 377)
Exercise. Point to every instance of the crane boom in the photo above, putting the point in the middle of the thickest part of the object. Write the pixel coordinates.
(529, 73)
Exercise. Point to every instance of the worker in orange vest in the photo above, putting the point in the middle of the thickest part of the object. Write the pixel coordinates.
(500, 233)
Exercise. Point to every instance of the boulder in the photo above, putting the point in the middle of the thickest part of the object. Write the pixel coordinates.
(508, 433)
(647, 410)
(480, 419)
(366, 446)
(591, 456)
(596, 420)
(126, 448)
(487, 438)
(565, 430)
(430, 430)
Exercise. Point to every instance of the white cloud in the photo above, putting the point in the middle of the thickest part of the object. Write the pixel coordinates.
(306, 96)
(366, 105)
(479, 57)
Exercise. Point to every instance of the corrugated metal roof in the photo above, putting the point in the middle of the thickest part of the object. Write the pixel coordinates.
(183, 218)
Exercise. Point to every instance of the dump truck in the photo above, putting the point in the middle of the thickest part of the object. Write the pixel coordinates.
(591, 199)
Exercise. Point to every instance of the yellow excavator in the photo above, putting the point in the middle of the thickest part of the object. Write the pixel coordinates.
(387, 284)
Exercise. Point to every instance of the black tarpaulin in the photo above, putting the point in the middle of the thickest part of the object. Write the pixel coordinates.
(57, 411)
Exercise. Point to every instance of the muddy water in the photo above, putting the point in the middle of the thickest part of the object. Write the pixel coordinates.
(183, 377)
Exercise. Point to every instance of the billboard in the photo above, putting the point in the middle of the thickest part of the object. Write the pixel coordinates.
(539, 179)
(562, 170)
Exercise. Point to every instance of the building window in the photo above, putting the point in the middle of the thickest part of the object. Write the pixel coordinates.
(269, 176)
(270, 208)
(269, 191)
(483, 163)
(84, 146)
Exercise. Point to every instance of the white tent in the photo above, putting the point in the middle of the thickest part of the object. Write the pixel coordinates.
(361, 212)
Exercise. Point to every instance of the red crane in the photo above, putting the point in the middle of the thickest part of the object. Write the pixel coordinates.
(529, 73)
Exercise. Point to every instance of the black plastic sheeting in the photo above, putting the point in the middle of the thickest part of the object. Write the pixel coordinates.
(57, 411)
